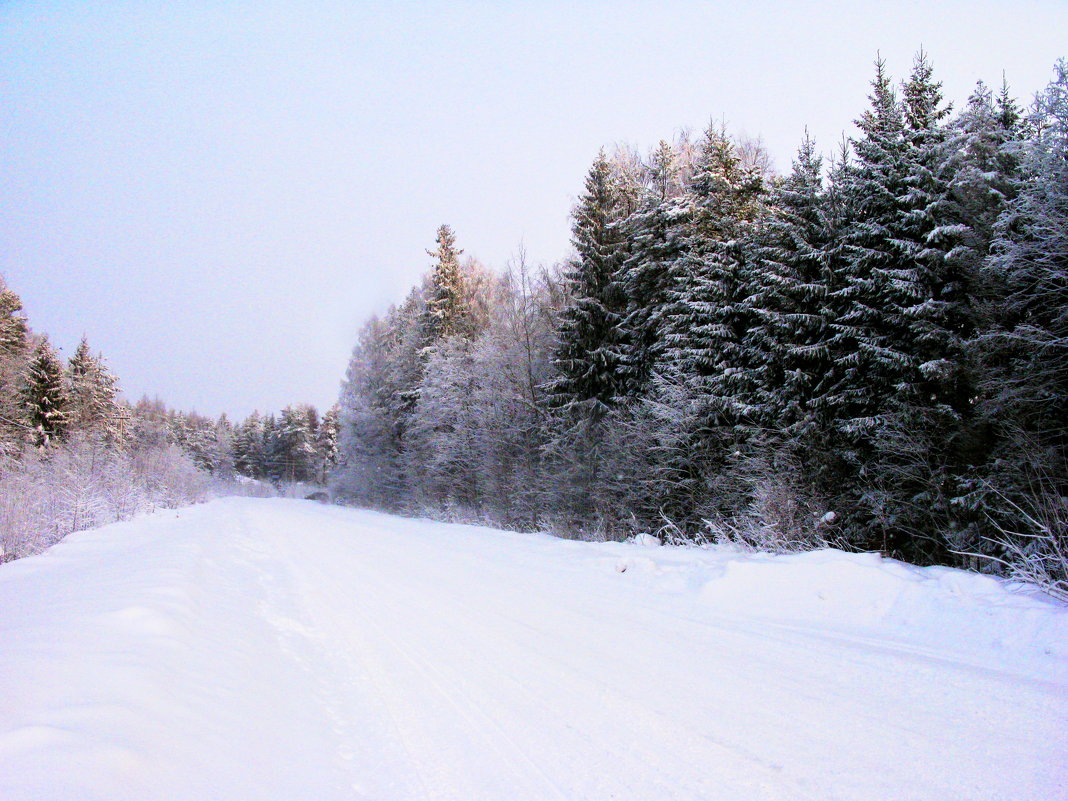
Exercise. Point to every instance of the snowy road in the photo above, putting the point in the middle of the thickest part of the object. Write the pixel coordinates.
(252, 649)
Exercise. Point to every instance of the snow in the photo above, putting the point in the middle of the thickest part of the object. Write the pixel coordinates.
(281, 649)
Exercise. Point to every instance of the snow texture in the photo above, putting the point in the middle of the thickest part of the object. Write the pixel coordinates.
(279, 649)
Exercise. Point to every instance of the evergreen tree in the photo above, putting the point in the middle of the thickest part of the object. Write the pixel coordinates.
(273, 455)
(791, 332)
(326, 443)
(870, 340)
(589, 357)
(222, 448)
(93, 392)
(298, 428)
(709, 314)
(249, 455)
(655, 232)
(445, 313)
(14, 332)
(374, 409)
(46, 397)
(439, 442)
(1027, 351)
(984, 147)
(924, 447)
(708, 372)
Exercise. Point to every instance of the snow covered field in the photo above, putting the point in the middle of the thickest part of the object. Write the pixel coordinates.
(273, 649)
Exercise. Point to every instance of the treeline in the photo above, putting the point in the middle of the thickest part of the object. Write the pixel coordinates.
(74, 454)
(293, 447)
(870, 352)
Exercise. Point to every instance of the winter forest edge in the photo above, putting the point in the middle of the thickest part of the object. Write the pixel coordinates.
(867, 352)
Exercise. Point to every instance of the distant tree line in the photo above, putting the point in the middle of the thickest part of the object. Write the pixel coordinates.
(74, 454)
(871, 351)
(295, 446)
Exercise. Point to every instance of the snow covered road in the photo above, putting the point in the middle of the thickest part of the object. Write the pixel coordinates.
(271, 649)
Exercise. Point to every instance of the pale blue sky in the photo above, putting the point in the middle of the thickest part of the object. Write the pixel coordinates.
(219, 193)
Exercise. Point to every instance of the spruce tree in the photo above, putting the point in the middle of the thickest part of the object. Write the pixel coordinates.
(14, 425)
(13, 327)
(248, 447)
(707, 371)
(709, 313)
(46, 398)
(876, 283)
(326, 443)
(948, 229)
(1027, 351)
(377, 399)
(656, 233)
(298, 428)
(791, 332)
(589, 357)
(222, 448)
(445, 313)
(93, 392)
(983, 150)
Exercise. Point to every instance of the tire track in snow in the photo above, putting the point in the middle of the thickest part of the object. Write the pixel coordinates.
(655, 726)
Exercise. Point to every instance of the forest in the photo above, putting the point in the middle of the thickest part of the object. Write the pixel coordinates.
(867, 352)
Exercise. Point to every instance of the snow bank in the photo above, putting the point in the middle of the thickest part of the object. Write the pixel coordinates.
(851, 594)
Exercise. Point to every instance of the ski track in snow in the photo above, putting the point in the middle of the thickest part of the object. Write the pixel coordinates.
(269, 649)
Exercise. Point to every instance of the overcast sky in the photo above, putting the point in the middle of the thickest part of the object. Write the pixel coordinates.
(218, 194)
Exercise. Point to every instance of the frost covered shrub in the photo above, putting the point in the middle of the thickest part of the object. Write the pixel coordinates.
(781, 514)
(83, 483)
(1038, 552)
(1029, 541)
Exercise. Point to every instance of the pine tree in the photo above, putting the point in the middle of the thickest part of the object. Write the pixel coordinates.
(46, 396)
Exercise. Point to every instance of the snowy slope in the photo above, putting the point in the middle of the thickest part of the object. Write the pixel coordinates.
(272, 649)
